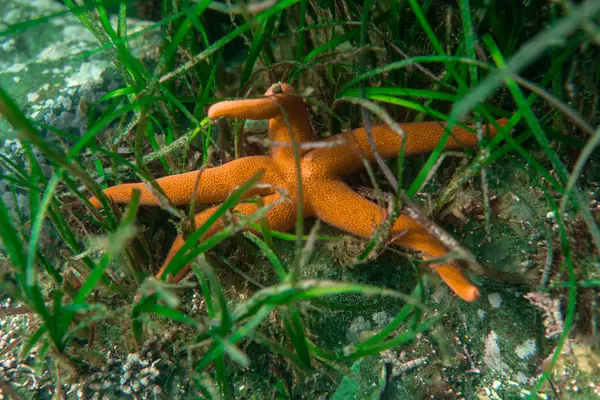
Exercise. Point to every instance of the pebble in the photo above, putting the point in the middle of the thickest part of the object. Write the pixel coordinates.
(495, 300)
(481, 314)
(526, 349)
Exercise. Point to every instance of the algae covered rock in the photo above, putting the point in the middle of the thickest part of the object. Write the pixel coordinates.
(52, 66)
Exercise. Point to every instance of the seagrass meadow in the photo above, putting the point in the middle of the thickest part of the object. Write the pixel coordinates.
(488, 289)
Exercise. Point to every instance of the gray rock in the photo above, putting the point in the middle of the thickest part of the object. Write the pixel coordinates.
(55, 72)
(52, 68)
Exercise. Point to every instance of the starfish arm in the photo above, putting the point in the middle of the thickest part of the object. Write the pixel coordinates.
(254, 109)
(214, 184)
(417, 238)
(279, 218)
(421, 137)
(337, 204)
(284, 109)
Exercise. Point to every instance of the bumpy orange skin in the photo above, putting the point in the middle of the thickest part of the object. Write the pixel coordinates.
(325, 195)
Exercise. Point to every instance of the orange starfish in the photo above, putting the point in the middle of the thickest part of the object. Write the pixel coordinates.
(325, 195)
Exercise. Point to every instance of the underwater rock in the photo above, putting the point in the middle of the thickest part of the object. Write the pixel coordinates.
(15, 367)
(54, 70)
(358, 325)
(492, 356)
(495, 300)
(526, 349)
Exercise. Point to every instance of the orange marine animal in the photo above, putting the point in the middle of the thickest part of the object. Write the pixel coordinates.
(325, 195)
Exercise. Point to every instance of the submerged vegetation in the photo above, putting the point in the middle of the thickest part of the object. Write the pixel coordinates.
(311, 313)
